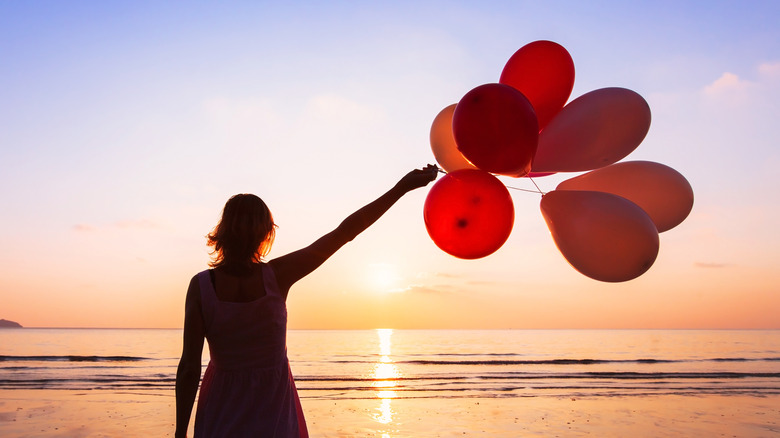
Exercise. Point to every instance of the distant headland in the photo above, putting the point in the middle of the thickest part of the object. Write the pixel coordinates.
(4, 323)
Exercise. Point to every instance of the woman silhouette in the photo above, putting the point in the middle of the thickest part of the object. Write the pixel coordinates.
(239, 307)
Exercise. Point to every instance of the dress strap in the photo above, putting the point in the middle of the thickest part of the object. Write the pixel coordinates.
(208, 297)
(269, 280)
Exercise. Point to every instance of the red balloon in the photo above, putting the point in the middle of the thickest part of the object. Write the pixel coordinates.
(469, 213)
(544, 72)
(495, 128)
(661, 191)
(594, 130)
(604, 236)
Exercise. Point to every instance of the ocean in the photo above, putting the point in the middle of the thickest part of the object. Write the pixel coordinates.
(391, 364)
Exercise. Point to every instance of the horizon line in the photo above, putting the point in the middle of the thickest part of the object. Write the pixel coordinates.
(418, 328)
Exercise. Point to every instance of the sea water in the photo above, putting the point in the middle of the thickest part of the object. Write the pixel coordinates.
(390, 364)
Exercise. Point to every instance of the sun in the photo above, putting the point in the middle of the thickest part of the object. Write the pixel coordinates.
(383, 276)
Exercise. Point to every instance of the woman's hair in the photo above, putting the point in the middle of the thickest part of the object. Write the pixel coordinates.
(244, 235)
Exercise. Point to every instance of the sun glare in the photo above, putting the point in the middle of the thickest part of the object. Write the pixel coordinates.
(383, 277)
(385, 374)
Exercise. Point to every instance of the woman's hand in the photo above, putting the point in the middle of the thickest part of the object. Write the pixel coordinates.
(418, 178)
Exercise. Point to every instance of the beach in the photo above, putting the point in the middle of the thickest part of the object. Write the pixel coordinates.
(58, 413)
(416, 383)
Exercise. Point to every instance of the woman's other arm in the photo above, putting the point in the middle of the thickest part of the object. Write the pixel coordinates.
(188, 373)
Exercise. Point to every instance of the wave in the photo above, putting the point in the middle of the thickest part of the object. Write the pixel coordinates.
(513, 384)
(535, 362)
(586, 361)
(73, 358)
(745, 359)
(486, 361)
(170, 377)
(89, 383)
(553, 376)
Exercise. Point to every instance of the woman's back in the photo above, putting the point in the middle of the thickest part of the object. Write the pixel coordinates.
(244, 327)
(239, 286)
(247, 388)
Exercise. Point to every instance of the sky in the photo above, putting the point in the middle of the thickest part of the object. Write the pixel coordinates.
(125, 126)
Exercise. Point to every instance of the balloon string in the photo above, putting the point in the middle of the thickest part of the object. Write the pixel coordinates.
(537, 187)
(527, 190)
(538, 190)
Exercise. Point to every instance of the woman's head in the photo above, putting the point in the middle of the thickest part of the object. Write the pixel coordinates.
(244, 234)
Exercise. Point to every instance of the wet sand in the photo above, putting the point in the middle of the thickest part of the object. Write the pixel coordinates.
(62, 413)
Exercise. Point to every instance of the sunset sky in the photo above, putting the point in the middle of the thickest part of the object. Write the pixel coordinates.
(125, 126)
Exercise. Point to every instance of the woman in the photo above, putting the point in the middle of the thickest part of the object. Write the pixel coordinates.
(239, 306)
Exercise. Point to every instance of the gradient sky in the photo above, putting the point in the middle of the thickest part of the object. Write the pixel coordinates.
(125, 126)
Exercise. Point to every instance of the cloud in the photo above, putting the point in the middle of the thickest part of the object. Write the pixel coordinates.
(770, 70)
(439, 275)
(731, 86)
(427, 290)
(444, 283)
(727, 83)
(447, 275)
(83, 228)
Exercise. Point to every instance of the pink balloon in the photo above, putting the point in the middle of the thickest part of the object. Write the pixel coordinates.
(604, 236)
(594, 130)
(443, 142)
(495, 128)
(659, 190)
(544, 72)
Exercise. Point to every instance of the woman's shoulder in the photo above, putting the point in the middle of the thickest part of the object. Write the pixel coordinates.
(196, 278)
(193, 290)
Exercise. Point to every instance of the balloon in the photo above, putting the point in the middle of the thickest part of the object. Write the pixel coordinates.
(603, 236)
(594, 130)
(544, 72)
(469, 213)
(659, 190)
(443, 143)
(495, 128)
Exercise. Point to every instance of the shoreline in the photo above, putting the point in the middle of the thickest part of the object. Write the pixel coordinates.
(107, 413)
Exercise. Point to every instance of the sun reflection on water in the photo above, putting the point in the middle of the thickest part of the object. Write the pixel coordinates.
(385, 375)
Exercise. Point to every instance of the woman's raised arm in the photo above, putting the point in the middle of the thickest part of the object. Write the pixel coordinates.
(296, 265)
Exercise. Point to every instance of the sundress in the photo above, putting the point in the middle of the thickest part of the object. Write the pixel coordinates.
(248, 389)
